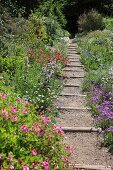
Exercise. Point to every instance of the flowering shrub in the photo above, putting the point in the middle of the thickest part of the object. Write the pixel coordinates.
(102, 105)
(28, 140)
(37, 79)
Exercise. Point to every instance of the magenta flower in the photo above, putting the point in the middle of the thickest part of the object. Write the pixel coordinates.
(25, 111)
(35, 164)
(58, 129)
(14, 118)
(4, 113)
(26, 167)
(11, 167)
(46, 120)
(13, 109)
(34, 152)
(3, 96)
(25, 128)
(46, 165)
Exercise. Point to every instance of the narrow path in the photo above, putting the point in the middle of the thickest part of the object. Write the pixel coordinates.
(77, 122)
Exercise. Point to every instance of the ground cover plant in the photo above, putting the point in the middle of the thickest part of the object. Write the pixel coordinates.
(28, 139)
(96, 55)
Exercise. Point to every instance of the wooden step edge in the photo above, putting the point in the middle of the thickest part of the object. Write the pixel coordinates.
(69, 94)
(81, 129)
(90, 167)
(68, 77)
(74, 61)
(70, 65)
(73, 70)
(73, 108)
(73, 77)
(71, 85)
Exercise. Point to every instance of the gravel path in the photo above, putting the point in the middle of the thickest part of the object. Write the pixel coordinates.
(87, 153)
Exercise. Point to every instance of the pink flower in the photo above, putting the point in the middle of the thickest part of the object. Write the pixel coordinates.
(4, 113)
(46, 165)
(19, 100)
(10, 158)
(25, 128)
(15, 118)
(13, 109)
(0, 156)
(26, 167)
(3, 96)
(46, 120)
(11, 167)
(58, 128)
(34, 152)
(35, 164)
(25, 111)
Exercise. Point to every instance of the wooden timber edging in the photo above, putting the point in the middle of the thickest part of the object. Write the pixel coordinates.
(69, 94)
(81, 129)
(73, 108)
(89, 167)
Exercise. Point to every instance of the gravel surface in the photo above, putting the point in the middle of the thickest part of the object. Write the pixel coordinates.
(86, 149)
(70, 101)
(74, 118)
(73, 73)
(74, 81)
(77, 69)
(72, 90)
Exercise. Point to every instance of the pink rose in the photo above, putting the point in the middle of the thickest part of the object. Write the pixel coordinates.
(25, 128)
(11, 167)
(46, 165)
(34, 152)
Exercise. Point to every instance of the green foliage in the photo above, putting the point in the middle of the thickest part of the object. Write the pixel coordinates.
(28, 139)
(108, 23)
(90, 21)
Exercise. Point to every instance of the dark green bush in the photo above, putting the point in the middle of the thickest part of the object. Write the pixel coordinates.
(90, 21)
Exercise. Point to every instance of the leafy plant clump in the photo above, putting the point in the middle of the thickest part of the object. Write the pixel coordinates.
(28, 139)
(90, 21)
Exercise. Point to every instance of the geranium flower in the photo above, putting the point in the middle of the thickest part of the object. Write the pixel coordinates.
(34, 152)
(26, 167)
(13, 109)
(14, 118)
(25, 128)
(25, 111)
(46, 165)
(46, 120)
(11, 167)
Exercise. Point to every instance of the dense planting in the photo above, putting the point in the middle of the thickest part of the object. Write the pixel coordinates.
(33, 52)
(96, 54)
(28, 139)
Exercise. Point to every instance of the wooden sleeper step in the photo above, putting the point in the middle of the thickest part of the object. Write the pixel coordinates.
(73, 108)
(81, 129)
(70, 94)
(90, 167)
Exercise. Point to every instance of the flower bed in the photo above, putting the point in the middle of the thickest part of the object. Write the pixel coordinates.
(96, 54)
(28, 139)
